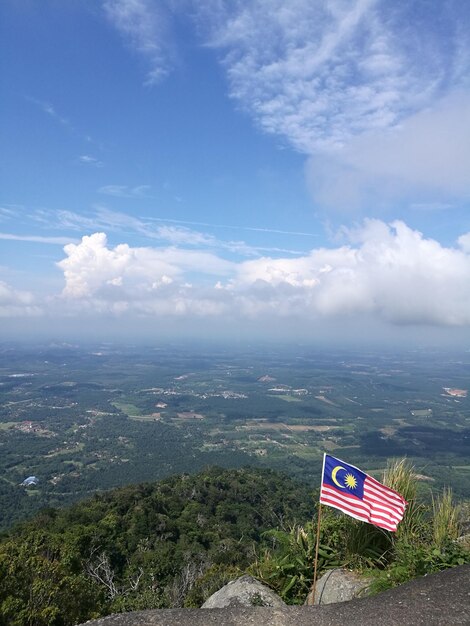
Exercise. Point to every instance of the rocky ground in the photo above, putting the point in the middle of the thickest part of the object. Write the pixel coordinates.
(436, 600)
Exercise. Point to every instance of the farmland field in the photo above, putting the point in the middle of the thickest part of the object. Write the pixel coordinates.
(87, 419)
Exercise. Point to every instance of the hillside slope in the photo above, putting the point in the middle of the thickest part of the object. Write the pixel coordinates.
(144, 546)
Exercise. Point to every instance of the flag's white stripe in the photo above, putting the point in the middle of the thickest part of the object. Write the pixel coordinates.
(383, 524)
(385, 514)
(368, 506)
(389, 509)
(350, 510)
(382, 493)
(374, 498)
(382, 489)
(353, 511)
(378, 505)
(384, 518)
(379, 484)
(350, 501)
(392, 507)
(347, 508)
(376, 510)
(398, 510)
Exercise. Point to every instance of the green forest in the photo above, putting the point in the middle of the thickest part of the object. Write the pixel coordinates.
(174, 542)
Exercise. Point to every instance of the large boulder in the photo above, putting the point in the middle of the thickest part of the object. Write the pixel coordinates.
(244, 591)
(339, 585)
(441, 599)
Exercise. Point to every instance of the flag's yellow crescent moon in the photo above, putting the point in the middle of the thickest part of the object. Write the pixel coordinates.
(333, 475)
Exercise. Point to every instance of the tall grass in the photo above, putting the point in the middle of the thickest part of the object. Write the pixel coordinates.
(445, 521)
(400, 475)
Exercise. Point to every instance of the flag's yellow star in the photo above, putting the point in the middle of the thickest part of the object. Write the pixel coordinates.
(350, 481)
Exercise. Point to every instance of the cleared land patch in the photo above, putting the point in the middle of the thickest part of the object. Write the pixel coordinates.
(131, 410)
(323, 399)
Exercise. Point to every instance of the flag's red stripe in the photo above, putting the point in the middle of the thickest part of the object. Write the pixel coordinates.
(379, 510)
(353, 511)
(354, 504)
(374, 496)
(393, 507)
(380, 505)
(347, 498)
(371, 497)
(346, 505)
(383, 493)
(383, 524)
(379, 484)
(384, 515)
(383, 518)
(350, 510)
(383, 489)
(368, 504)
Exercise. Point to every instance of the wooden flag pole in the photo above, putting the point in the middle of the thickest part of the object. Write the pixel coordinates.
(317, 544)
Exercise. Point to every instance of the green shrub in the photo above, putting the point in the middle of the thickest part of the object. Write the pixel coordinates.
(424, 543)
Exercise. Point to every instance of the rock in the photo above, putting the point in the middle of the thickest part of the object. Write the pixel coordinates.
(245, 591)
(464, 541)
(339, 585)
(441, 599)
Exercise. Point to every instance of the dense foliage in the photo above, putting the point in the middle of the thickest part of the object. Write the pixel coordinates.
(175, 542)
(426, 541)
(146, 546)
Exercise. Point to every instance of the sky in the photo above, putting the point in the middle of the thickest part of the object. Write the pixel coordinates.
(237, 169)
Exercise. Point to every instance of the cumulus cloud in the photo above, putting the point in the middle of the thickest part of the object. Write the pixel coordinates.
(386, 271)
(92, 269)
(390, 271)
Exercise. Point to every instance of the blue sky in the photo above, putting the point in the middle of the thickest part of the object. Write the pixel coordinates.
(255, 168)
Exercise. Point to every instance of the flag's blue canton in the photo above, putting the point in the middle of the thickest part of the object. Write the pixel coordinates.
(343, 477)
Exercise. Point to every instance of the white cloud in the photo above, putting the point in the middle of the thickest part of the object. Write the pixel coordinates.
(464, 242)
(105, 219)
(424, 160)
(36, 239)
(386, 271)
(391, 271)
(90, 160)
(90, 267)
(15, 303)
(123, 191)
(144, 25)
(50, 110)
(321, 73)
(375, 92)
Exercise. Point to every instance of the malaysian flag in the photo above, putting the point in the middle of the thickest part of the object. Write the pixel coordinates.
(357, 494)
